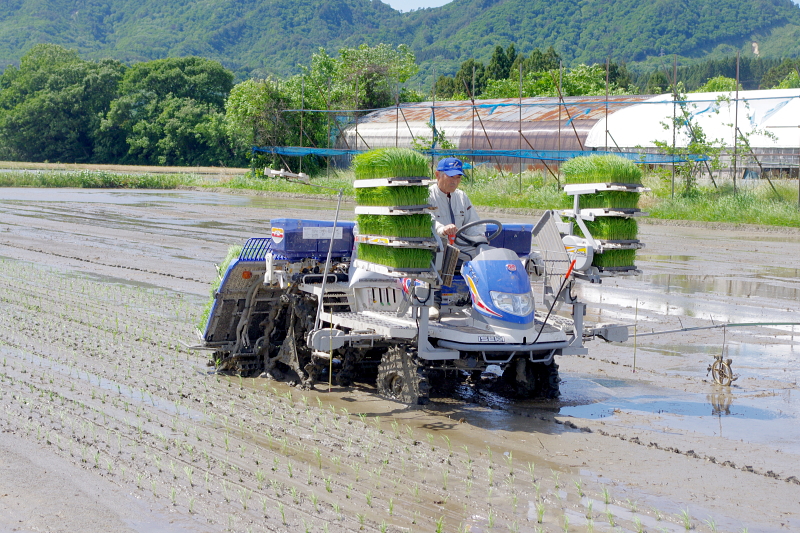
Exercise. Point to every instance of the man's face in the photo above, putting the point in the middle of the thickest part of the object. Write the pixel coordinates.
(447, 184)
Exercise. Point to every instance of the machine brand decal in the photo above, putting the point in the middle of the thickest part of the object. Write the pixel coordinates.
(321, 233)
(575, 250)
(479, 303)
(378, 240)
(277, 235)
(492, 338)
(511, 267)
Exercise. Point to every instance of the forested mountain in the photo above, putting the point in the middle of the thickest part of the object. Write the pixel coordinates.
(257, 37)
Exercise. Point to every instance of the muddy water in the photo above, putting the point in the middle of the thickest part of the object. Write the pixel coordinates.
(691, 279)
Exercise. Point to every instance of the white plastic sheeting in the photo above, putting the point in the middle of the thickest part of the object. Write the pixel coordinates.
(776, 112)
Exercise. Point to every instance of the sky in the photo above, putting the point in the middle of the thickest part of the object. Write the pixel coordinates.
(408, 5)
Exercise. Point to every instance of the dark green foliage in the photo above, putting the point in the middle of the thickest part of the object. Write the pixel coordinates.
(392, 196)
(170, 112)
(262, 38)
(412, 258)
(499, 66)
(51, 106)
(395, 226)
(601, 169)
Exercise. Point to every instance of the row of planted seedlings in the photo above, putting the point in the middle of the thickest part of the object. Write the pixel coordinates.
(274, 459)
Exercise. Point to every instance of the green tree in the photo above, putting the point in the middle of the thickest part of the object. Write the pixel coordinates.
(266, 112)
(499, 65)
(168, 113)
(658, 83)
(718, 84)
(50, 107)
(791, 81)
(581, 80)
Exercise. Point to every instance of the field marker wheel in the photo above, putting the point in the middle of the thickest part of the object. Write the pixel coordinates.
(721, 372)
(401, 377)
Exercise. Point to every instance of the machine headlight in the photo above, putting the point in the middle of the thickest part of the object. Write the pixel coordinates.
(514, 304)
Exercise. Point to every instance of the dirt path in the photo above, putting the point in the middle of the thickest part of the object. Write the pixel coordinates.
(107, 413)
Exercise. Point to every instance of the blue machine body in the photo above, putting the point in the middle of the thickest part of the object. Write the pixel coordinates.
(500, 273)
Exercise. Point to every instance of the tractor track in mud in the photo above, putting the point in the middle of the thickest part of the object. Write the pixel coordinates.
(94, 380)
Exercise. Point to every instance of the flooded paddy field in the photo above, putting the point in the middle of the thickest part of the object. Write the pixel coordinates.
(110, 423)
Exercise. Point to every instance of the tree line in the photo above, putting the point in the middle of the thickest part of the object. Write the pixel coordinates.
(188, 111)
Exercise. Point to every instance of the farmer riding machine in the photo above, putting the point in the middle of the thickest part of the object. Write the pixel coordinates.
(333, 301)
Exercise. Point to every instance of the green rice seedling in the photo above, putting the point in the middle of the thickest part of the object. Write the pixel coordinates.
(685, 519)
(579, 486)
(390, 163)
(191, 505)
(314, 500)
(384, 526)
(556, 476)
(531, 471)
(589, 506)
(189, 471)
(392, 196)
(244, 497)
(293, 492)
(173, 495)
(492, 517)
(610, 518)
(329, 484)
(338, 510)
(637, 522)
(264, 500)
(540, 509)
(565, 525)
(153, 487)
(589, 526)
(260, 477)
(606, 496)
(615, 258)
(445, 473)
(391, 506)
(283, 514)
(308, 476)
(611, 228)
(369, 498)
(318, 455)
(361, 519)
(601, 169)
(440, 525)
(617, 199)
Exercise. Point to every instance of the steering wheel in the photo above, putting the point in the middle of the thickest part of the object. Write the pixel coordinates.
(471, 224)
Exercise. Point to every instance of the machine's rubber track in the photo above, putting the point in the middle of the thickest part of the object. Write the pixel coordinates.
(401, 377)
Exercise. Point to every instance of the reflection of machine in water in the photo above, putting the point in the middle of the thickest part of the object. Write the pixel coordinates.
(720, 403)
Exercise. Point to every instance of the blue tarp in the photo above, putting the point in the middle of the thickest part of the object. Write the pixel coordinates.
(544, 155)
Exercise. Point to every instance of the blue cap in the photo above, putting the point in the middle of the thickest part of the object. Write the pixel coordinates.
(450, 166)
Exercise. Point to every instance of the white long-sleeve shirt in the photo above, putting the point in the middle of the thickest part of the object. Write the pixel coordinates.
(454, 208)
